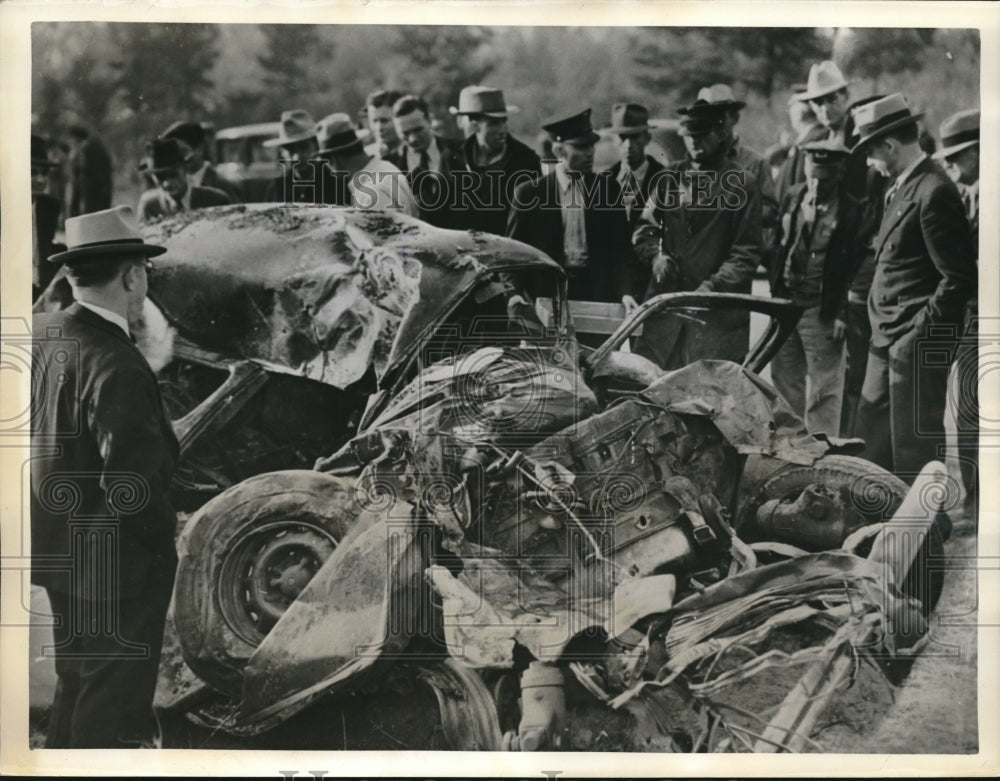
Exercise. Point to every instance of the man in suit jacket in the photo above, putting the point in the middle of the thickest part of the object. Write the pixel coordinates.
(165, 161)
(925, 275)
(960, 153)
(493, 161)
(636, 173)
(200, 172)
(700, 231)
(429, 161)
(103, 455)
(576, 217)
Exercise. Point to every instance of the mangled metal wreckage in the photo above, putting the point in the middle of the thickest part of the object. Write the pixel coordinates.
(541, 520)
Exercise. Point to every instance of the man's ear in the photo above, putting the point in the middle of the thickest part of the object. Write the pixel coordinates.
(129, 279)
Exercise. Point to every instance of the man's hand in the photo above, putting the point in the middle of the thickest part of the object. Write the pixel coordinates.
(839, 330)
(630, 304)
(513, 303)
(665, 269)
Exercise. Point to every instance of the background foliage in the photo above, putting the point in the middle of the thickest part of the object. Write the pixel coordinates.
(129, 81)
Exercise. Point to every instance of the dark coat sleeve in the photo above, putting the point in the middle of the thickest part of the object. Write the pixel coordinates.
(738, 268)
(946, 233)
(126, 419)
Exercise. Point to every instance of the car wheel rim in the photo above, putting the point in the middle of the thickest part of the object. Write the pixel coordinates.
(265, 570)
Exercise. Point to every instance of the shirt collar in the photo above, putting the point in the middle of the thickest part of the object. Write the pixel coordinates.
(107, 314)
(563, 177)
(195, 179)
(908, 171)
(433, 155)
(639, 173)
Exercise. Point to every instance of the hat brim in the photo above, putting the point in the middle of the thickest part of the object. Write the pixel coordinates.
(948, 151)
(584, 140)
(79, 253)
(804, 96)
(628, 130)
(40, 163)
(726, 105)
(698, 131)
(455, 111)
(288, 140)
(865, 140)
(332, 150)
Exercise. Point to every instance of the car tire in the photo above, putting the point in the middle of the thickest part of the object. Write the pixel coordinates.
(246, 555)
(876, 492)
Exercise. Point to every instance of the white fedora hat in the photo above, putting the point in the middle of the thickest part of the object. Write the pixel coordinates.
(824, 77)
(958, 132)
(104, 234)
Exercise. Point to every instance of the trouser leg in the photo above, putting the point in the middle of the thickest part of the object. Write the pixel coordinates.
(918, 385)
(873, 410)
(788, 372)
(114, 707)
(67, 667)
(824, 358)
(859, 334)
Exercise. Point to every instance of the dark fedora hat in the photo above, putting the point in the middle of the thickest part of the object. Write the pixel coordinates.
(873, 120)
(629, 119)
(163, 154)
(105, 234)
(701, 118)
(336, 133)
(574, 129)
(191, 133)
(40, 152)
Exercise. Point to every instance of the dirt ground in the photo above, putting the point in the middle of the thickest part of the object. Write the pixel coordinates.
(933, 710)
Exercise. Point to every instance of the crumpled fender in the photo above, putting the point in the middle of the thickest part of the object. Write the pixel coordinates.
(362, 606)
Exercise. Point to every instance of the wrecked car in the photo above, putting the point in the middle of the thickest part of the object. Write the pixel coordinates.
(410, 462)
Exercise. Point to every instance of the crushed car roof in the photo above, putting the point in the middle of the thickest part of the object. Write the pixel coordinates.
(320, 291)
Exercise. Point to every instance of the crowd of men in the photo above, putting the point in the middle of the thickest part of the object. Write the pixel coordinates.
(852, 220)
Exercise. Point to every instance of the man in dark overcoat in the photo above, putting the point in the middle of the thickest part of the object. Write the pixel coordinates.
(700, 231)
(44, 216)
(165, 162)
(494, 162)
(575, 216)
(925, 275)
(103, 455)
(90, 173)
(199, 169)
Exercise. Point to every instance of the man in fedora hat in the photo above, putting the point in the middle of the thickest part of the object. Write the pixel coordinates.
(378, 113)
(200, 171)
(720, 97)
(44, 217)
(103, 455)
(925, 275)
(575, 216)
(166, 162)
(494, 162)
(701, 231)
(305, 179)
(374, 183)
(636, 172)
(819, 248)
(806, 128)
(960, 153)
(429, 162)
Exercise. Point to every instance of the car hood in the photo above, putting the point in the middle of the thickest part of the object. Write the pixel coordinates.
(322, 292)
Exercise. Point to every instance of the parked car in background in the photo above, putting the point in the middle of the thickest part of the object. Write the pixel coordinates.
(242, 158)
